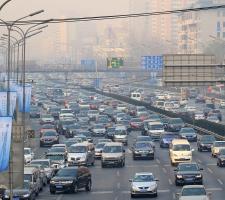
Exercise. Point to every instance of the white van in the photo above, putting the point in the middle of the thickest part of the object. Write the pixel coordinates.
(136, 96)
(155, 129)
(180, 151)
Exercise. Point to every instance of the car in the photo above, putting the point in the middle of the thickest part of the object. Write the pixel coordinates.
(88, 135)
(71, 179)
(98, 149)
(215, 148)
(120, 135)
(141, 138)
(98, 130)
(113, 154)
(221, 158)
(217, 113)
(66, 125)
(199, 115)
(205, 142)
(72, 141)
(143, 150)
(188, 173)
(25, 193)
(46, 127)
(136, 124)
(58, 160)
(213, 118)
(81, 154)
(71, 130)
(167, 138)
(46, 164)
(222, 104)
(155, 129)
(143, 183)
(197, 192)
(110, 132)
(34, 112)
(175, 124)
(189, 134)
(47, 119)
(28, 155)
(200, 99)
(49, 137)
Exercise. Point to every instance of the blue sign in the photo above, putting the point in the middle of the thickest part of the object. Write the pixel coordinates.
(3, 103)
(152, 62)
(5, 142)
(87, 62)
(28, 89)
(98, 83)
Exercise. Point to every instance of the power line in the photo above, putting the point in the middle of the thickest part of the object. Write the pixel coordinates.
(121, 16)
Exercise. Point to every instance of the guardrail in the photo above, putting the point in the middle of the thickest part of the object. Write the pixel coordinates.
(203, 127)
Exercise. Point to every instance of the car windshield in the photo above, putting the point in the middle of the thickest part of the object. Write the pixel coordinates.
(46, 116)
(55, 157)
(49, 133)
(156, 127)
(176, 121)
(187, 130)
(136, 120)
(77, 149)
(43, 163)
(144, 139)
(99, 127)
(120, 132)
(110, 129)
(193, 192)
(170, 136)
(140, 145)
(57, 149)
(27, 177)
(208, 138)
(68, 122)
(181, 147)
(112, 149)
(222, 152)
(100, 146)
(143, 178)
(48, 126)
(188, 167)
(66, 173)
(26, 151)
(219, 144)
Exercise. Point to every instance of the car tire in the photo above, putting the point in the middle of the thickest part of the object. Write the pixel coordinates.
(51, 192)
(103, 165)
(156, 194)
(132, 195)
(88, 186)
(75, 188)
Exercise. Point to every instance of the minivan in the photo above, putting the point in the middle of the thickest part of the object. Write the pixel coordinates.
(81, 154)
(180, 151)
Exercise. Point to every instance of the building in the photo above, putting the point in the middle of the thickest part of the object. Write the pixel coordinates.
(196, 30)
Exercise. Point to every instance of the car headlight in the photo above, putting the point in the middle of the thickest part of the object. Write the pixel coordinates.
(52, 182)
(136, 151)
(26, 195)
(67, 182)
(135, 188)
(153, 188)
(179, 176)
(198, 176)
(6, 196)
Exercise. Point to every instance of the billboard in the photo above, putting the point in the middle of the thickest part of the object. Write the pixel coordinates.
(115, 62)
(152, 62)
(5, 142)
(3, 103)
(28, 89)
(98, 83)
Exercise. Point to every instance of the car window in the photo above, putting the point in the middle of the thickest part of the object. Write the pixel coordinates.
(66, 173)
(193, 192)
(112, 149)
(181, 147)
(143, 178)
(188, 167)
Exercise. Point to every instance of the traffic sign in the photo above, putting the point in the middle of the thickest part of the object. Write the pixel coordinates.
(152, 62)
(115, 62)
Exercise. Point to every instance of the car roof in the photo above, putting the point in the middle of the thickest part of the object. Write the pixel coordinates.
(41, 160)
(180, 141)
(113, 144)
(193, 186)
(143, 173)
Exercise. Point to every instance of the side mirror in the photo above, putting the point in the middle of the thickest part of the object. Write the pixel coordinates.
(156, 179)
(101, 151)
(175, 170)
(124, 150)
(201, 169)
(130, 180)
(193, 150)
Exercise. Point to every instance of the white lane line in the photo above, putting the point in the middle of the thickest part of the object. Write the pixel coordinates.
(170, 182)
(220, 182)
(129, 151)
(164, 170)
(199, 161)
(118, 185)
(174, 195)
(158, 161)
(167, 165)
(211, 164)
(209, 170)
(159, 191)
(143, 166)
(116, 198)
(59, 197)
(118, 173)
(214, 189)
(102, 192)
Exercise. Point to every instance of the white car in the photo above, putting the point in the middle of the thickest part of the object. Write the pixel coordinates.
(199, 115)
(193, 192)
(143, 183)
(28, 155)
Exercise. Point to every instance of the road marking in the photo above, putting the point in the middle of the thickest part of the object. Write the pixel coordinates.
(143, 166)
(174, 195)
(211, 164)
(167, 165)
(158, 161)
(118, 185)
(210, 170)
(118, 173)
(159, 191)
(199, 161)
(116, 198)
(129, 151)
(170, 182)
(220, 182)
(102, 192)
(59, 197)
(164, 170)
(214, 189)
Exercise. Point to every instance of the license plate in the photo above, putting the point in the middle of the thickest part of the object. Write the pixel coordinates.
(143, 190)
(189, 179)
(59, 186)
(16, 198)
(144, 154)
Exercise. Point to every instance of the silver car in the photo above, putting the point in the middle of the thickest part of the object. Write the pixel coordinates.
(143, 183)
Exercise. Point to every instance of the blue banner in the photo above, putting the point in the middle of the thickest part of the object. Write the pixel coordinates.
(3, 103)
(5, 142)
(98, 83)
(28, 89)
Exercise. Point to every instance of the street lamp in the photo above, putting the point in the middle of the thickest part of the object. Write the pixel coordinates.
(6, 2)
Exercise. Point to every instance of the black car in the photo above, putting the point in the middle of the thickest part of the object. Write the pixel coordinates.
(205, 142)
(49, 137)
(72, 130)
(63, 125)
(26, 193)
(110, 132)
(88, 135)
(175, 124)
(221, 158)
(188, 173)
(166, 139)
(143, 150)
(71, 179)
(35, 112)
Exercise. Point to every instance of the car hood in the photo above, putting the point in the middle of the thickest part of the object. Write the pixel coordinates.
(19, 192)
(194, 198)
(62, 178)
(120, 136)
(167, 140)
(48, 137)
(188, 172)
(111, 155)
(76, 155)
(144, 184)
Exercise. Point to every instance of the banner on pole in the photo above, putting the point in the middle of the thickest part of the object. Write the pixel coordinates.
(3, 103)
(5, 142)
(28, 89)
